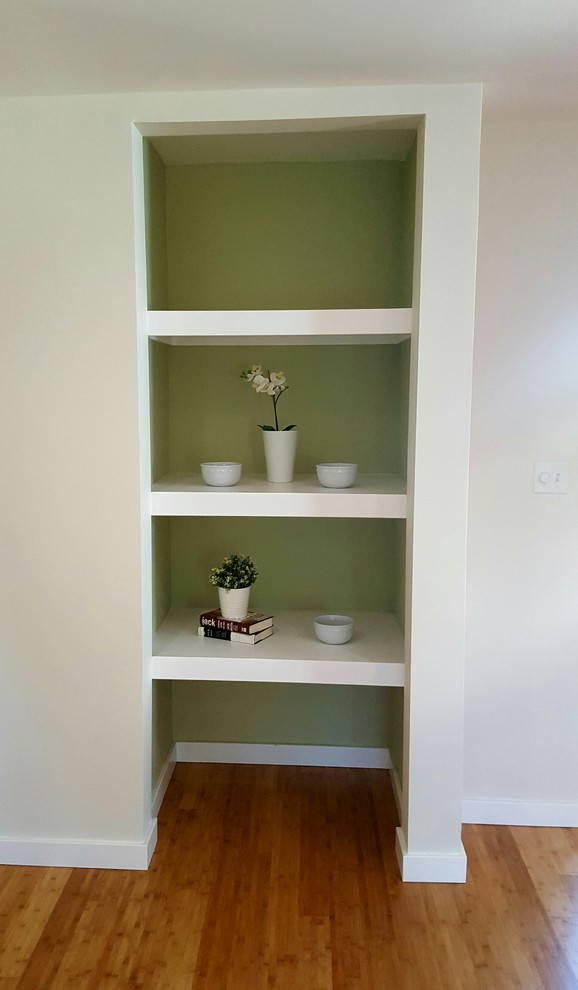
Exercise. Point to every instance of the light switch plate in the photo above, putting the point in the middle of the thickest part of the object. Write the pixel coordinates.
(551, 477)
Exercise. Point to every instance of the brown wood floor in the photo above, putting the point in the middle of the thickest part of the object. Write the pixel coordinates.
(268, 877)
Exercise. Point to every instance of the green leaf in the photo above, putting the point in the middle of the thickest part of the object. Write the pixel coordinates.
(292, 427)
(272, 428)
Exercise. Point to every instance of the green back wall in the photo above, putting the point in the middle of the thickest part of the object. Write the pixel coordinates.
(395, 730)
(156, 227)
(349, 404)
(312, 235)
(326, 564)
(162, 728)
(159, 383)
(298, 714)
(406, 244)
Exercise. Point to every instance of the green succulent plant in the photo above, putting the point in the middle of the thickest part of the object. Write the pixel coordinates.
(234, 572)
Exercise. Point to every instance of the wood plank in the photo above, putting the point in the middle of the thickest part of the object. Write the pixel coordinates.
(285, 877)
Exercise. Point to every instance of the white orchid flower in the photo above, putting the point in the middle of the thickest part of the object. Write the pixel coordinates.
(252, 373)
(260, 383)
(277, 385)
(273, 384)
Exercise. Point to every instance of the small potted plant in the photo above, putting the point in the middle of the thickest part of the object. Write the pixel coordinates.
(279, 444)
(234, 578)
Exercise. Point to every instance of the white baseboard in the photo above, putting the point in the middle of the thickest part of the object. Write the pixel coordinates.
(163, 782)
(273, 754)
(476, 812)
(429, 867)
(76, 853)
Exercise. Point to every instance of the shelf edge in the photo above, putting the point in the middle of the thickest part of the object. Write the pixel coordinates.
(359, 673)
(286, 326)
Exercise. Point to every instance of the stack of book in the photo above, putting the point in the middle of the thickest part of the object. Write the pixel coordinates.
(252, 629)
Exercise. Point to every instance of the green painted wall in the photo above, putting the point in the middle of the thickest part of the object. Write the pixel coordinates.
(162, 579)
(159, 363)
(322, 715)
(156, 228)
(406, 243)
(399, 526)
(348, 404)
(326, 564)
(162, 728)
(395, 729)
(403, 357)
(287, 235)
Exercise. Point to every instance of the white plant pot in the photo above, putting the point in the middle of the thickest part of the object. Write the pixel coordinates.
(234, 603)
(280, 447)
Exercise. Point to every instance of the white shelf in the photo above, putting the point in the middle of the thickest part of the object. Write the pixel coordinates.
(291, 655)
(278, 326)
(374, 496)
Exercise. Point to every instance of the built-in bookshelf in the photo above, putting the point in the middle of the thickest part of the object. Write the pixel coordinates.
(316, 280)
(333, 248)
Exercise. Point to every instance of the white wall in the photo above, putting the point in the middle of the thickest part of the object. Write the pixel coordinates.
(72, 712)
(521, 716)
(71, 762)
(71, 708)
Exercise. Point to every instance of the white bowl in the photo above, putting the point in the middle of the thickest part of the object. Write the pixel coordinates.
(221, 474)
(333, 629)
(336, 475)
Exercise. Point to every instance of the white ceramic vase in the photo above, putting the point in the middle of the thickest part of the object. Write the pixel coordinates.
(234, 604)
(280, 447)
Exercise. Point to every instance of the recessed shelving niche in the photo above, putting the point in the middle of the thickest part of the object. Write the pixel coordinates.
(302, 265)
(349, 403)
(291, 243)
(306, 566)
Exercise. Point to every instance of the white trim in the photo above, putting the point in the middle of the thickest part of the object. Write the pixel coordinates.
(429, 867)
(76, 853)
(477, 812)
(144, 451)
(273, 754)
(163, 782)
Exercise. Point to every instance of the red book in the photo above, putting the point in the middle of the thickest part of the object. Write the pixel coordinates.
(253, 622)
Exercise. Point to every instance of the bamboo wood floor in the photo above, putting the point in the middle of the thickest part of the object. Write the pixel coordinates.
(285, 878)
